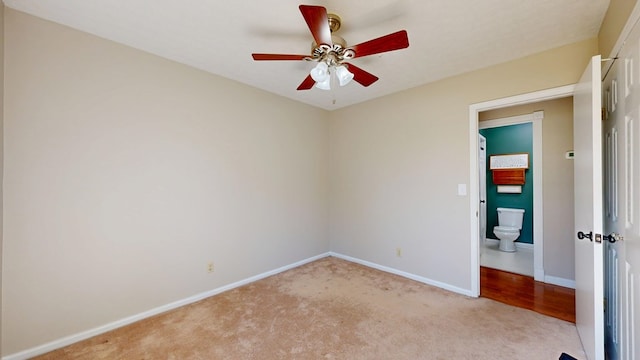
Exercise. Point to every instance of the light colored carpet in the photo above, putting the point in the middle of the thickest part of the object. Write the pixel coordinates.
(334, 309)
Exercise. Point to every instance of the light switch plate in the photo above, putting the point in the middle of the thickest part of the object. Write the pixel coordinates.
(462, 189)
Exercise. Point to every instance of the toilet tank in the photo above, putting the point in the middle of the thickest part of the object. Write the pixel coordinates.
(510, 217)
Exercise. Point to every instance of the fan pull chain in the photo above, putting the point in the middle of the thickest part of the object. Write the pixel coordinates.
(333, 88)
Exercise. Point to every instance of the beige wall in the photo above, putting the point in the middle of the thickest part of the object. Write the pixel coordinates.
(613, 23)
(396, 162)
(125, 174)
(557, 181)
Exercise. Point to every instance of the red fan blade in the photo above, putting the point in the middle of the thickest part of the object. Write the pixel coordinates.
(307, 83)
(259, 57)
(395, 41)
(318, 22)
(361, 76)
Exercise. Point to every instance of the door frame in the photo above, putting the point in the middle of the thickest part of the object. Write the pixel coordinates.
(474, 111)
(535, 119)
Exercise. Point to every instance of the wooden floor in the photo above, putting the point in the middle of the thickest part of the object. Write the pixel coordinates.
(523, 291)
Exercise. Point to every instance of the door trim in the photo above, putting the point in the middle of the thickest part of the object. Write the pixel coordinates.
(535, 118)
(474, 110)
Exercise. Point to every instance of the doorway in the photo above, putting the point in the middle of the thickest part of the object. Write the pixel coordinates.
(526, 122)
(474, 116)
(512, 134)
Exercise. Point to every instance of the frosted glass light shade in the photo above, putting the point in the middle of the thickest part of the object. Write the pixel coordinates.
(325, 84)
(344, 76)
(320, 72)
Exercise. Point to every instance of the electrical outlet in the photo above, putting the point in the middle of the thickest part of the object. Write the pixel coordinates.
(398, 252)
(210, 267)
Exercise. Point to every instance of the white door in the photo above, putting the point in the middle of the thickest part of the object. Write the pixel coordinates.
(613, 158)
(626, 122)
(614, 215)
(587, 137)
(621, 145)
(630, 265)
(482, 186)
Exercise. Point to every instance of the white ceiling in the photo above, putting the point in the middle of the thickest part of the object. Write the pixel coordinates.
(446, 37)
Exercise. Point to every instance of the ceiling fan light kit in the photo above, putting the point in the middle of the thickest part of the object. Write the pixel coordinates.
(332, 53)
(321, 74)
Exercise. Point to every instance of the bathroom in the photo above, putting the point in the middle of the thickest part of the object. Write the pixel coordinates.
(513, 197)
(548, 255)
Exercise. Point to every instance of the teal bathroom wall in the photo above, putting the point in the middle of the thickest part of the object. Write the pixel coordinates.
(507, 140)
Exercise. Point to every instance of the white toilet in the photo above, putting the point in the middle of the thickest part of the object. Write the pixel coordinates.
(508, 229)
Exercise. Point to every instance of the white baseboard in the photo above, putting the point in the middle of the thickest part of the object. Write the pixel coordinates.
(519, 245)
(407, 275)
(560, 281)
(45, 348)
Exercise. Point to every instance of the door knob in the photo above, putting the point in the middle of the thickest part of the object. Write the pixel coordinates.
(582, 235)
(613, 237)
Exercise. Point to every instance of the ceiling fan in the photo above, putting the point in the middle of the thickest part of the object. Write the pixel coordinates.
(332, 53)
